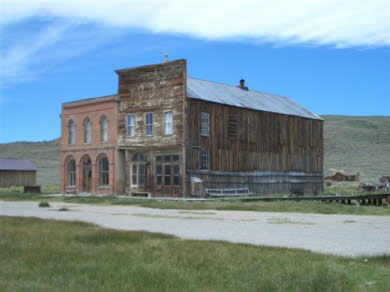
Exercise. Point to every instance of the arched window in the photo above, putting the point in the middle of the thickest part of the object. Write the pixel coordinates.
(87, 131)
(71, 169)
(71, 132)
(103, 171)
(103, 129)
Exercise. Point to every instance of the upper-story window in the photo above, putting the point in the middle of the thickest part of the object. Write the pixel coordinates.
(204, 124)
(168, 127)
(71, 132)
(149, 124)
(87, 131)
(130, 125)
(103, 129)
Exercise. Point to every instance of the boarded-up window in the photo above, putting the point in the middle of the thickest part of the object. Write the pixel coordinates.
(233, 125)
(168, 129)
(204, 124)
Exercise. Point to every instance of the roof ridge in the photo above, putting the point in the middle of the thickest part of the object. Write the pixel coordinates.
(238, 87)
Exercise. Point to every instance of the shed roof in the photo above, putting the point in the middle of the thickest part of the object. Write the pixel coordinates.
(16, 164)
(252, 99)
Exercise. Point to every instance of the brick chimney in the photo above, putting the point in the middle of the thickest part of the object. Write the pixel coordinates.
(242, 85)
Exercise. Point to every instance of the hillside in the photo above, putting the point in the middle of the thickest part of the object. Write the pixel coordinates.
(351, 143)
(354, 143)
(45, 155)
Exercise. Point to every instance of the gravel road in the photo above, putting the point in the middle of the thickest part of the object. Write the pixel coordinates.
(345, 235)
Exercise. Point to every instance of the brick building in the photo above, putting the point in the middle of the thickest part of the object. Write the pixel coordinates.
(88, 146)
(172, 135)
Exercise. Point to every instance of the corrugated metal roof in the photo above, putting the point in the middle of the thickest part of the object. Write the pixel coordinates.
(235, 96)
(16, 164)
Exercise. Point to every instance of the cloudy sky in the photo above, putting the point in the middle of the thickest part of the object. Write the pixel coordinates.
(332, 56)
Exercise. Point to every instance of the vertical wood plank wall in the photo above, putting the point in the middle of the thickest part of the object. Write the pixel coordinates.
(265, 151)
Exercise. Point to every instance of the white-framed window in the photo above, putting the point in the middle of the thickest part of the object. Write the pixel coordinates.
(130, 125)
(149, 124)
(168, 126)
(204, 124)
(71, 132)
(103, 129)
(71, 169)
(138, 168)
(87, 131)
(204, 159)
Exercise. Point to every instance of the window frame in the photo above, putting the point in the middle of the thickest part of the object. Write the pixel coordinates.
(148, 125)
(205, 124)
(71, 132)
(71, 173)
(170, 123)
(103, 129)
(129, 126)
(87, 130)
(204, 160)
(104, 179)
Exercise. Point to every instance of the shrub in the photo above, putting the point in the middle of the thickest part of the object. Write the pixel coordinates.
(63, 209)
(44, 205)
(328, 183)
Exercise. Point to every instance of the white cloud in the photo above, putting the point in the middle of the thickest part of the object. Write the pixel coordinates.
(339, 23)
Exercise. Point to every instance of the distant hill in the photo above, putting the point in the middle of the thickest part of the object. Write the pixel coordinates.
(354, 143)
(351, 143)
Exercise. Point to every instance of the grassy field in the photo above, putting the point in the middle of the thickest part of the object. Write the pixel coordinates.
(48, 255)
(16, 194)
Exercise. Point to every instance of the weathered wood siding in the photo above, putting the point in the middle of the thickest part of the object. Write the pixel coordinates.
(266, 151)
(153, 89)
(17, 178)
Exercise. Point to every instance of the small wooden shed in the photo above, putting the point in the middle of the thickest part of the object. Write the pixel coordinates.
(344, 176)
(17, 172)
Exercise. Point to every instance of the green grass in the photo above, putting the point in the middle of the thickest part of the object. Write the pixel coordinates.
(39, 255)
(44, 205)
(287, 221)
(228, 204)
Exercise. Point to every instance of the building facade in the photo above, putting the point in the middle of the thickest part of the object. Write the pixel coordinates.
(175, 136)
(88, 146)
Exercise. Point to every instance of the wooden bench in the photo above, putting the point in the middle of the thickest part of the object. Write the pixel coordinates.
(236, 192)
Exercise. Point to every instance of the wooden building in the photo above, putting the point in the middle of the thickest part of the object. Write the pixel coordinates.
(344, 176)
(177, 135)
(17, 172)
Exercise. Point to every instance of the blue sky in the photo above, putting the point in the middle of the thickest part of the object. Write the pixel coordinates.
(331, 58)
